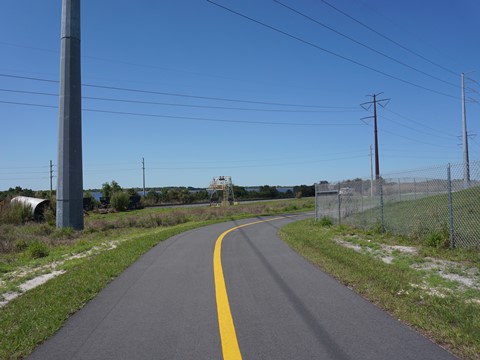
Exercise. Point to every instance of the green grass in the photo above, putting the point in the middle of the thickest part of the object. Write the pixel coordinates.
(427, 218)
(31, 318)
(36, 315)
(451, 320)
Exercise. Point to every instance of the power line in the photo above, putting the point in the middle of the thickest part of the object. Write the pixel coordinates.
(331, 109)
(389, 39)
(108, 170)
(419, 123)
(421, 156)
(29, 104)
(175, 94)
(24, 172)
(414, 140)
(165, 163)
(24, 167)
(416, 130)
(230, 166)
(331, 52)
(218, 120)
(29, 78)
(366, 46)
(257, 159)
(29, 178)
(186, 117)
(259, 165)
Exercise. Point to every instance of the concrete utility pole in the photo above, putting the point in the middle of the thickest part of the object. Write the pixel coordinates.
(143, 169)
(70, 172)
(466, 163)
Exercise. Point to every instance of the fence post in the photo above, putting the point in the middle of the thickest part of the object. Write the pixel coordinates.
(361, 194)
(450, 207)
(316, 200)
(415, 188)
(399, 191)
(339, 208)
(381, 205)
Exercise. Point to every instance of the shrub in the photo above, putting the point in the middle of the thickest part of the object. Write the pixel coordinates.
(20, 244)
(38, 249)
(325, 221)
(377, 228)
(15, 213)
(437, 239)
(119, 201)
(50, 216)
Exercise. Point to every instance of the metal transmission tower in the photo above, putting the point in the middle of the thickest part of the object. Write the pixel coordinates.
(70, 176)
(225, 185)
(366, 106)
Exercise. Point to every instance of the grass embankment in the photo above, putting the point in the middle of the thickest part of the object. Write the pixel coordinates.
(90, 259)
(401, 282)
(429, 215)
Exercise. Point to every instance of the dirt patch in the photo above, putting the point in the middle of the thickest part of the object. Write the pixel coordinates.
(466, 277)
(449, 270)
(41, 274)
(381, 251)
(29, 285)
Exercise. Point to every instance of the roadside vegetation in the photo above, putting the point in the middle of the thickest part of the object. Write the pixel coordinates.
(434, 289)
(427, 219)
(78, 264)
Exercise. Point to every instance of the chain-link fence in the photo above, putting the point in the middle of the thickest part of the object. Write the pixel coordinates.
(437, 205)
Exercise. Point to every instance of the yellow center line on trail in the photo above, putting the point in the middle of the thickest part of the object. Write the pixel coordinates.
(228, 336)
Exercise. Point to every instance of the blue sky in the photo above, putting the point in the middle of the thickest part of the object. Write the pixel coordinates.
(201, 51)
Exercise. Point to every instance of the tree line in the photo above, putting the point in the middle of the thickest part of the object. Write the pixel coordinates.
(116, 196)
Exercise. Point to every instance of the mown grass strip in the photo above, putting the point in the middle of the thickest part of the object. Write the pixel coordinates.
(39, 313)
(449, 321)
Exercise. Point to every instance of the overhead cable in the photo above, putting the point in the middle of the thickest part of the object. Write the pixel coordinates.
(331, 52)
(366, 46)
(187, 117)
(420, 123)
(330, 109)
(389, 39)
(175, 94)
(414, 140)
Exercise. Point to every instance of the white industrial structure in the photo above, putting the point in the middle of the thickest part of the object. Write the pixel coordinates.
(224, 185)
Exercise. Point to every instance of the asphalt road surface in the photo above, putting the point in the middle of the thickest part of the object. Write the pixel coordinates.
(168, 305)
